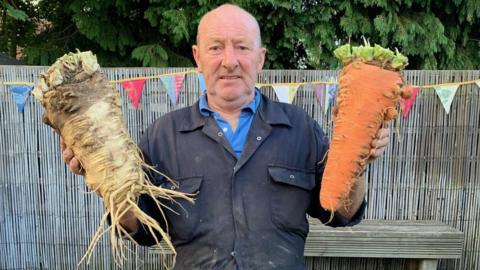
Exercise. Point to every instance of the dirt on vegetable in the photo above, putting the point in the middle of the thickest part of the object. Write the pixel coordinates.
(84, 108)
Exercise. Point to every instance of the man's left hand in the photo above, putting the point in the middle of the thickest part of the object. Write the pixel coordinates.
(379, 144)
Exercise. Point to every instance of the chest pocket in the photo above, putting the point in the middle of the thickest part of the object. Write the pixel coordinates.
(291, 192)
(183, 216)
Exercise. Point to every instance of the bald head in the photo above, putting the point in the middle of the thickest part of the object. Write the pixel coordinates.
(229, 55)
(229, 12)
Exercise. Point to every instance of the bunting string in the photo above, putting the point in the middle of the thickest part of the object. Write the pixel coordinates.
(16, 83)
(155, 76)
(294, 83)
(433, 86)
(119, 81)
(325, 91)
(427, 86)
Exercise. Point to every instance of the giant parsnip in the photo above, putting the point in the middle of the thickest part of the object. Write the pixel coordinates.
(84, 108)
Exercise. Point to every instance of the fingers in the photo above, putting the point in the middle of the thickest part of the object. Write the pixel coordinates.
(376, 152)
(382, 138)
(69, 158)
(383, 133)
(67, 155)
(76, 167)
(380, 143)
(62, 144)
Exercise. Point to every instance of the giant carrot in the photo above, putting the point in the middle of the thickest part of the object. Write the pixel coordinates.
(84, 108)
(370, 89)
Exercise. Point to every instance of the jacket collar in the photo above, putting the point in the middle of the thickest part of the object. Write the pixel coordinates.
(273, 113)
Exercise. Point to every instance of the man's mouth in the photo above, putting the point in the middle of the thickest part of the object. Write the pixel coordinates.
(229, 77)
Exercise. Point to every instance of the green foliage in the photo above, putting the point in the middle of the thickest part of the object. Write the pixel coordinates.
(15, 25)
(15, 13)
(151, 55)
(297, 33)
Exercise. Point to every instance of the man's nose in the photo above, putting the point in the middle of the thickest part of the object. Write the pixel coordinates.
(229, 61)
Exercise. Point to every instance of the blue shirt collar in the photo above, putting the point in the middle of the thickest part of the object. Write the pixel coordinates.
(251, 107)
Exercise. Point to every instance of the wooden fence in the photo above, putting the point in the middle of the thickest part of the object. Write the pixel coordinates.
(431, 171)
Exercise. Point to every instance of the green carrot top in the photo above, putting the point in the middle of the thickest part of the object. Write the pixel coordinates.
(375, 55)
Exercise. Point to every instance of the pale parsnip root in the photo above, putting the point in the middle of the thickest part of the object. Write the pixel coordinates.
(84, 108)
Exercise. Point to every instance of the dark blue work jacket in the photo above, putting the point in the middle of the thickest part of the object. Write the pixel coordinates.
(249, 213)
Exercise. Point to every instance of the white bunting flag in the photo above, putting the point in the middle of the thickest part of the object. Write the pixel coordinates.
(446, 95)
(285, 93)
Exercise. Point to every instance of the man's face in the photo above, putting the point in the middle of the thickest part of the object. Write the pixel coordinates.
(228, 54)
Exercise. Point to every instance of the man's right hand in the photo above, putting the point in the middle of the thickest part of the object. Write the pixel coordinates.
(129, 221)
(70, 160)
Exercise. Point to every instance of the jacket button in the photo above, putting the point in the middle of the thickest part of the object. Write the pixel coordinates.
(292, 176)
(173, 187)
(259, 138)
(220, 134)
(233, 253)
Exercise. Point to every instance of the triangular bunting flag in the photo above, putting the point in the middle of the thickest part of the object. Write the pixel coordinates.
(20, 95)
(201, 81)
(282, 92)
(178, 85)
(134, 90)
(446, 95)
(478, 83)
(173, 86)
(408, 103)
(292, 92)
(320, 91)
(331, 93)
(285, 93)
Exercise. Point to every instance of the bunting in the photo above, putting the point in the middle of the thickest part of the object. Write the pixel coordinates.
(201, 81)
(408, 103)
(173, 85)
(285, 93)
(325, 91)
(320, 93)
(20, 94)
(134, 90)
(331, 93)
(446, 94)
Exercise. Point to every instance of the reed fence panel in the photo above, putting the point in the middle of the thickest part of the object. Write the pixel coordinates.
(430, 171)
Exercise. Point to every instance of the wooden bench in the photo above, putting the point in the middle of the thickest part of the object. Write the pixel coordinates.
(424, 242)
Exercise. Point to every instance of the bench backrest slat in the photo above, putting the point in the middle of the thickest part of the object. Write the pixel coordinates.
(385, 239)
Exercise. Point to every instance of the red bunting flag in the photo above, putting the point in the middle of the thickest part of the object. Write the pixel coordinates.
(178, 84)
(134, 90)
(408, 103)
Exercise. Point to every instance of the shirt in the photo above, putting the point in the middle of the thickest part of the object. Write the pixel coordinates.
(251, 212)
(235, 138)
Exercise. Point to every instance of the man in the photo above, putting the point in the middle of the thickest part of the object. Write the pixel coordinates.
(256, 164)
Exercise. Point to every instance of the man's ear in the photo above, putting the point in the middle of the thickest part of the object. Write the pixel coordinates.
(261, 56)
(196, 57)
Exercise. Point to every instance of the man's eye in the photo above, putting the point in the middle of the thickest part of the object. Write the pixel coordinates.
(243, 48)
(214, 48)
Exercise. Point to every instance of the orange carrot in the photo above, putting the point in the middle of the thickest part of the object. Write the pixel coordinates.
(370, 90)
